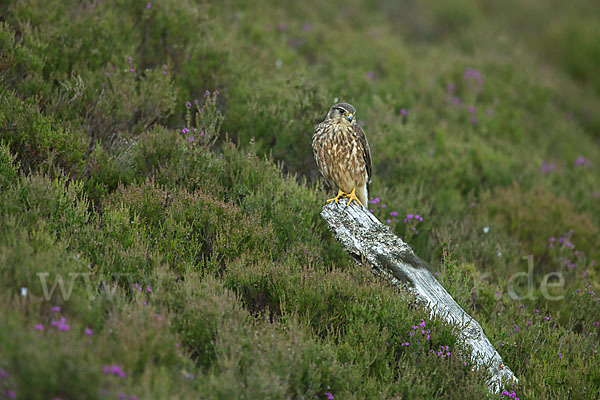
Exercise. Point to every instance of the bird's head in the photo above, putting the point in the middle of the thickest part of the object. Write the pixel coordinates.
(342, 113)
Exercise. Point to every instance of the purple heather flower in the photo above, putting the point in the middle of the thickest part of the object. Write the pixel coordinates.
(89, 332)
(512, 395)
(133, 397)
(131, 69)
(474, 75)
(372, 211)
(202, 133)
(473, 120)
(11, 394)
(383, 206)
(114, 369)
(582, 161)
(176, 344)
(597, 323)
(148, 6)
(39, 327)
(55, 309)
(206, 93)
(122, 396)
(3, 374)
(329, 395)
(61, 325)
(422, 324)
(405, 344)
(371, 75)
(191, 138)
(547, 167)
(394, 213)
(403, 112)
(389, 221)
(107, 74)
(188, 104)
(471, 109)
(306, 27)
(451, 87)
(148, 286)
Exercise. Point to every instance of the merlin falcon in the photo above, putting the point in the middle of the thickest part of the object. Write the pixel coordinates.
(343, 155)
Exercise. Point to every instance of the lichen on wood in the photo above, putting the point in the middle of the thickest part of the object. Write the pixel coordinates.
(373, 244)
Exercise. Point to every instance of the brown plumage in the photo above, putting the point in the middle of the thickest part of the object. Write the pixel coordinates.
(342, 153)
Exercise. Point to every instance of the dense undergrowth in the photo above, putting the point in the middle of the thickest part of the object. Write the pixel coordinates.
(159, 205)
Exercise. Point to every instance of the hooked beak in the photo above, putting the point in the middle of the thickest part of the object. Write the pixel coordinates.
(350, 117)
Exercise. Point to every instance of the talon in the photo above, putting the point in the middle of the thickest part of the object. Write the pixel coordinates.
(352, 196)
(337, 198)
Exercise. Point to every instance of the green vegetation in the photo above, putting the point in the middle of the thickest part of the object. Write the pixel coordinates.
(185, 225)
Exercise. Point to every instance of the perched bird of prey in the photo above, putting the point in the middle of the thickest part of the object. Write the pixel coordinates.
(343, 155)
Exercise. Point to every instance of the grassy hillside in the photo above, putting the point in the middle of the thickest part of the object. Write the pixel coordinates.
(159, 204)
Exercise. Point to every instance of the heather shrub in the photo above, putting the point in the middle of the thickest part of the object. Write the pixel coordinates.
(9, 167)
(539, 220)
(155, 155)
(40, 142)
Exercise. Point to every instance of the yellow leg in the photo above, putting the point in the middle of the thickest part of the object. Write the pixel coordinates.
(352, 196)
(337, 198)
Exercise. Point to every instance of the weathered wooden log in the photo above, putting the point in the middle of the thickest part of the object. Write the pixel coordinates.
(373, 244)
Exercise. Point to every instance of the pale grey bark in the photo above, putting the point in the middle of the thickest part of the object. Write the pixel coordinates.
(373, 244)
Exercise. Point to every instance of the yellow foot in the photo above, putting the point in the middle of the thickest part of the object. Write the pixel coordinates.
(337, 198)
(352, 196)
